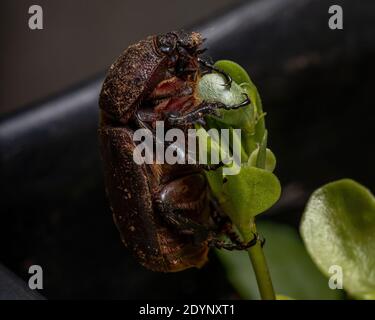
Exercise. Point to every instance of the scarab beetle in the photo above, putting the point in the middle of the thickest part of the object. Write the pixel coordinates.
(164, 213)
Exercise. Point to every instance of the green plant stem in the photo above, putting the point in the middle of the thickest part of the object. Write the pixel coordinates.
(262, 274)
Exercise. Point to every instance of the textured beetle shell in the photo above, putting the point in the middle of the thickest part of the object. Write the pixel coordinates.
(132, 189)
(129, 190)
(139, 67)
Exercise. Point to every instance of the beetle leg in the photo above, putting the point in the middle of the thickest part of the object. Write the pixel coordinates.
(220, 244)
(205, 108)
(187, 71)
(143, 117)
(193, 116)
(172, 87)
(201, 51)
(224, 224)
(182, 224)
(183, 209)
(200, 233)
(201, 122)
(244, 103)
(262, 241)
(208, 65)
(221, 220)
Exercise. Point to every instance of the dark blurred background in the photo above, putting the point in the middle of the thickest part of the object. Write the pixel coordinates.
(80, 39)
(316, 85)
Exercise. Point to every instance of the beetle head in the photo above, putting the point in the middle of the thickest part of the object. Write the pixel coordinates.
(170, 42)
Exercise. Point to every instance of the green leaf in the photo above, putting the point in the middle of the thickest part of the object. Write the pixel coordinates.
(270, 160)
(253, 190)
(211, 88)
(209, 146)
(215, 180)
(240, 76)
(292, 271)
(262, 150)
(338, 228)
(247, 194)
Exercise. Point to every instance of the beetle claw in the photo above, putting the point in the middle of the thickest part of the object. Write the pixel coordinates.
(228, 82)
(228, 78)
(262, 240)
(201, 121)
(244, 103)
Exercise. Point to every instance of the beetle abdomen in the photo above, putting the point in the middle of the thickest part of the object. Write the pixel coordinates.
(129, 194)
(142, 231)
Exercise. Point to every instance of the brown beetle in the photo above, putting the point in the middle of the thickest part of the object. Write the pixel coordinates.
(163, 212)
